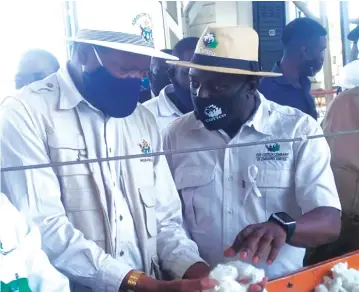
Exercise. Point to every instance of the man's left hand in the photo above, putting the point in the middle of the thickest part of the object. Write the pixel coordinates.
(197, 271)
(255, 240)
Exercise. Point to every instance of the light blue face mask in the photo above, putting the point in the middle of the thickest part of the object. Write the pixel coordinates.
(145, 83)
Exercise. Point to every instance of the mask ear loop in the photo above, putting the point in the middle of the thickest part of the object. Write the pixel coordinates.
(97, 56)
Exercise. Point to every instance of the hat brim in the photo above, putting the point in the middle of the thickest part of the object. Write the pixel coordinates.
(223, 69)
(141, 50)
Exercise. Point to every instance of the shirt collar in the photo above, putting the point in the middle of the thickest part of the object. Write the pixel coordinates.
(259, 120)
(70, 97)
(166, 107)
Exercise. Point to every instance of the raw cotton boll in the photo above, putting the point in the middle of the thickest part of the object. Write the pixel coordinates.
(228, 285)
(344, 279)
(248, 272)
(327, 281)
(228, 275)
(337, 285)
(222, 272)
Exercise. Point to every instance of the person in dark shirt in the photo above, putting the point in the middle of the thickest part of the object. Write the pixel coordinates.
(304, 42)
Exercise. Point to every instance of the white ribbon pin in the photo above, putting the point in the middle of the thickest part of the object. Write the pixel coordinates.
(252, 186)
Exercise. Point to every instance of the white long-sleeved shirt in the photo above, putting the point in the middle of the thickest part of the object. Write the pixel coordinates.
(163, 108)
(21, 255)
(25, 130)
(224, 191)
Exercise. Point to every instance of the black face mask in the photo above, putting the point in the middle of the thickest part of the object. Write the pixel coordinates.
(311, 68)
(216, 112)
(115, 97)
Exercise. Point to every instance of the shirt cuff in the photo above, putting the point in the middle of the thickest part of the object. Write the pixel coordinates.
(111, 275)
(180, 266)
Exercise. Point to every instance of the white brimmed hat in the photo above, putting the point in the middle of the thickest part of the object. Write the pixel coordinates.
(349, 77)
(227, 49)
(121, 41)
(131, 28)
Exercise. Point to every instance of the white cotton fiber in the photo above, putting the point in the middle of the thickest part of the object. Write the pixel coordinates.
(230, 273)
(228, 285)
(344, 280)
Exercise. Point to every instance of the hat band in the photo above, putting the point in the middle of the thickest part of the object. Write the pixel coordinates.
(214, 61)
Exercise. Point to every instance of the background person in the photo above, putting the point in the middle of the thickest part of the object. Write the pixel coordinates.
(175, 99)
(24, 265)
(34, 65)
(158, 76)
(304, 42)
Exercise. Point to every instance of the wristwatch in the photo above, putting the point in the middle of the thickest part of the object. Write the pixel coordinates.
(285, 221)
(132, 281)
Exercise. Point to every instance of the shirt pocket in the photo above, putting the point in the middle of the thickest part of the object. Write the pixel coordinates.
(75, 180)
(148, 200)
(196, 187)
(277, 189)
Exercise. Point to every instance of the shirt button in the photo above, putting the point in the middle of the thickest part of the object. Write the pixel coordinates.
(230, 179)
(110, 150)
(230, 211)
(121, 253)
(121, 217)
(49, 85)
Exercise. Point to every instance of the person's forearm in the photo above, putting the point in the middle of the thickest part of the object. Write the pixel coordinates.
(144, 283)
(319, 226)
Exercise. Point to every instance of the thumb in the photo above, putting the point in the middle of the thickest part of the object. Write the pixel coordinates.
(207, 283)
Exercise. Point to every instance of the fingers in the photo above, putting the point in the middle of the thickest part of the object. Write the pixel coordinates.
(258, 287)
(276, 245)
(263, 245)
(250, 244)
(196, 285)
(207, 284)
(235, 248)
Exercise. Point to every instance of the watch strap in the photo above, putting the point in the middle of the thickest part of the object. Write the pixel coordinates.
(289, 228)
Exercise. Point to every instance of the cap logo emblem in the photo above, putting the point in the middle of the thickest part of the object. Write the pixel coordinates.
(210, 40)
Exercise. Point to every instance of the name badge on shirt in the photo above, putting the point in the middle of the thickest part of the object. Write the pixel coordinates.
(272, 153)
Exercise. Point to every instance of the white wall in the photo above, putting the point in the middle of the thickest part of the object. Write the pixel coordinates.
(222, 12)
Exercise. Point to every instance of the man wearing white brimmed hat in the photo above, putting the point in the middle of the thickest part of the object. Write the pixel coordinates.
(267, 202)
(111, 225)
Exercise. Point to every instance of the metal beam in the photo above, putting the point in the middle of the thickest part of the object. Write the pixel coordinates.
(327, 68)
(302, 6)
(194, 10)
(344, 29)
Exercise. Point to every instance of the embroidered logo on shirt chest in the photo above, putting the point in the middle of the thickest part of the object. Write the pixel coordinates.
(145, 149)
(273, 153)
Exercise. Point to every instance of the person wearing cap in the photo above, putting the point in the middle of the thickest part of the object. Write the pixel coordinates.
(343, 115)
(158, 76)
(24, 267)
(175, 99)
(34, 65)
(304, 42)
(113, 225)
(266, 202)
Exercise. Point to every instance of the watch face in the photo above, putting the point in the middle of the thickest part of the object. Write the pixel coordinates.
(284, 217)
